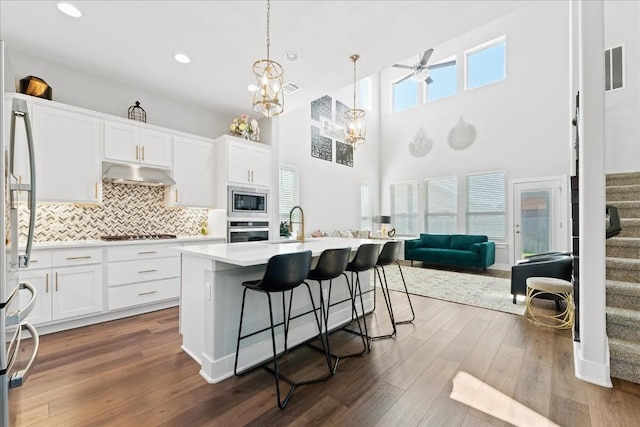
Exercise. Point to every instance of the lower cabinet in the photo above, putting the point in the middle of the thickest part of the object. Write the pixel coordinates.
(68, 287)
(142, 274)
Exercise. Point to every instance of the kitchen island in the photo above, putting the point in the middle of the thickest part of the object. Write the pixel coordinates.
(211, 293)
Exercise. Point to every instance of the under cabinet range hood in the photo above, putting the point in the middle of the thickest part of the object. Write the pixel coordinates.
(133, 174)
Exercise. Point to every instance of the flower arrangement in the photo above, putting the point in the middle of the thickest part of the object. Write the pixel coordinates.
(248, 129)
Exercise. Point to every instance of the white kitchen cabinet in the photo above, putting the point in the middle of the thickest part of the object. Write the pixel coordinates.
(194, 173)
(68, 283)
(77, 291)
(67, 154)
(133, 143)
(142, 274)
(247, 163)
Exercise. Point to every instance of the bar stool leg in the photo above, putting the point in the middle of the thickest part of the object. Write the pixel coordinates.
(406, 291)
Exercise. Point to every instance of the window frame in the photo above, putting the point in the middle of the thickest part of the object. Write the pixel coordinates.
(479, 48)
(499, 239)
(284, 216)
(427, 215)
(393, 94)
(366, 222)
(408, 215)
(455, 77)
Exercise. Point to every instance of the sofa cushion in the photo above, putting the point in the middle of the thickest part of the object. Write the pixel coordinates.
(435, 240)
(464, 241)
(438, 255)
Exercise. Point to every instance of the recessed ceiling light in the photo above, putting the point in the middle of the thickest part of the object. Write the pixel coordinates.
(182, 58)
(68, 9)
(291, 56)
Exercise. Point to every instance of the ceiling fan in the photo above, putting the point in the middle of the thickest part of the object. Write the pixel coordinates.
(420, 70)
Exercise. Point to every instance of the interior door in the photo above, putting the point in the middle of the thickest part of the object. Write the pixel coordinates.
(539, 217)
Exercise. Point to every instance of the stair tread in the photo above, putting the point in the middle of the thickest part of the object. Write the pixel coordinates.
(624, 350)
(623, 187)
(623, 316)
(619, 284)
(624, 260)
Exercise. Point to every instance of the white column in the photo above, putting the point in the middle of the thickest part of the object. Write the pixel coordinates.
(591, 354)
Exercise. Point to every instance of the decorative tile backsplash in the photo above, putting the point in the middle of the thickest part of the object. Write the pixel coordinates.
(125, 209)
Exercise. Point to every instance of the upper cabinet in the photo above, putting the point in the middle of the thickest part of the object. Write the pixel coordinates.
(136, 144)
(194, 173)
(247, 163)
(67, 155)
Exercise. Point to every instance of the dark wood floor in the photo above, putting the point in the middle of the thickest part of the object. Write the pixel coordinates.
(132, 372)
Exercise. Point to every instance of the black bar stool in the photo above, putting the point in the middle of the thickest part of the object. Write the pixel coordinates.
(389, 255)
(365, 259)
(331, 265)
(283, 273)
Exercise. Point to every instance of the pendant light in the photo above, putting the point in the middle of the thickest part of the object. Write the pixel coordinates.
(268, 99)
(356, 129)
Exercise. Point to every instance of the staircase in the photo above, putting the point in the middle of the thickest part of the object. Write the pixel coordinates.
(623, 278)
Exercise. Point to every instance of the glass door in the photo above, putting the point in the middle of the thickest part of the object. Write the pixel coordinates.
(538, 223)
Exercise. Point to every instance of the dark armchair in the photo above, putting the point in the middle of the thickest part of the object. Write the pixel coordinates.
(552, 264)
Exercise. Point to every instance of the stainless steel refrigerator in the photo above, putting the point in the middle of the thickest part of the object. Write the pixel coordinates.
(17, 298)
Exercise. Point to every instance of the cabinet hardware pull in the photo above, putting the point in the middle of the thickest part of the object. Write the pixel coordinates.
(147, 271)
(96, 190)
(19, 179)
(252, 176)
(31, 261)
(137, 150)
(248, 175)
(56, 282)
(148, 293)
(78, 257)
(147, 252)
(143, 152)
(46, 283)
(176, 195)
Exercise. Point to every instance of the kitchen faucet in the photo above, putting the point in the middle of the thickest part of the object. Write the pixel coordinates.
(300, 236)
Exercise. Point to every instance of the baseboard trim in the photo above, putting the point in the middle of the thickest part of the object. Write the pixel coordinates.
(590, 371)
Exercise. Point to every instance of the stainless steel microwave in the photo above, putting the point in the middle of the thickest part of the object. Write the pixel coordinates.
(248, 202)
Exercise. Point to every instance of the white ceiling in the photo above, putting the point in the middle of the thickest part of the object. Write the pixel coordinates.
(134, 41)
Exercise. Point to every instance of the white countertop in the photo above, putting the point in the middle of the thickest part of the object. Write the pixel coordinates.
(103, 243)
(257, 253)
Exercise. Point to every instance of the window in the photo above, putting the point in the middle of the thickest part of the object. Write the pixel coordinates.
(441, 213)
(289, 190)
(366, 207)
(486, 64)
(365, 94)
(445, 82)
(405, 95)
(404, 208)
(486, 205)
(613, 68)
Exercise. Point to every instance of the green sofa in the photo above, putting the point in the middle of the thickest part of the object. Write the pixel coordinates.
(464, 250)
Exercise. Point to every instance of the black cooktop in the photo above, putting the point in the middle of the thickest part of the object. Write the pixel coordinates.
(138, 237)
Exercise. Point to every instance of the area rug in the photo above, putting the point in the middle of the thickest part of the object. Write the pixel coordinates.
(477, 290)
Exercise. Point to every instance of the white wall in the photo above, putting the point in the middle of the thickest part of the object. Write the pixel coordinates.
(330, 192)
(622, 118)
(74, 87)
(522, 123)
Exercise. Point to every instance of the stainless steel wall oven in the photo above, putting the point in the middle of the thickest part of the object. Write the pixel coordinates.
(247, 231)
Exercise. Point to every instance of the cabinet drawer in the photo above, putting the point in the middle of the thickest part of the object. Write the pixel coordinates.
(120, 273)
(134, 252)
(143, 293)
(65, 257)
(39, 259)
